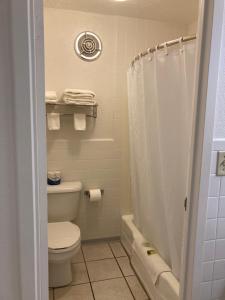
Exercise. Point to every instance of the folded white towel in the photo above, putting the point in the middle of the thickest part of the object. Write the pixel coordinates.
(51, 97)
(79, 93)
(79, 101)
(155, 265)
(79, 96)
(79, 121)
(51, 101)
(53, 120)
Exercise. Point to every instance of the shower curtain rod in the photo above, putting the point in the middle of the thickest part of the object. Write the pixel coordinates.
(163, 45)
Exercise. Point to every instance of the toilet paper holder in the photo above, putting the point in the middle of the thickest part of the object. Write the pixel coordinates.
(87, 193)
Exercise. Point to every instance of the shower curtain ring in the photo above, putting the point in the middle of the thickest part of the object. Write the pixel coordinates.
(181, 44)
(165, 48)
(149, 54)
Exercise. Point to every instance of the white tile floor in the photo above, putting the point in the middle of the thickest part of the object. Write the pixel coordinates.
(101, 271)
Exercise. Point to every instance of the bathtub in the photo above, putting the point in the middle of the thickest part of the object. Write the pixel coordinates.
(167, 287)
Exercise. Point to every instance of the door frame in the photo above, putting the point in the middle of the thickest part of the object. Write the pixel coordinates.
(210, 25)
(27, 40)
(29, 88)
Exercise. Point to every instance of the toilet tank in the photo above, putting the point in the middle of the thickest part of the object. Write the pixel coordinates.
(63, 201)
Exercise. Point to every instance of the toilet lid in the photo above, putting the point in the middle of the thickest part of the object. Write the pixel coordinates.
(62, 235)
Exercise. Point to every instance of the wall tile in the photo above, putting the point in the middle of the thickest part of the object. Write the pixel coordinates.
(221, 212)
(207, 274)
(214, 186)
(221, 228)
(209, 250)
(218, 144)
(220, 249)
(210, 232)
(222, 189)
(213, 162)
(212, 208)
(218, 289)
(213, 267)
(205, 290)
(219, 269)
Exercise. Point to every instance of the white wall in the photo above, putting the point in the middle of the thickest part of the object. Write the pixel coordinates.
(98, 157)
(9, 258)
(213, 271)
(192, 28)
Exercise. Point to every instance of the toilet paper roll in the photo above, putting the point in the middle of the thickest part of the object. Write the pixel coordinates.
(95, 195)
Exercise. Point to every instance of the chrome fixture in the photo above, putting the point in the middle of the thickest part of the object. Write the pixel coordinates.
(70, 109)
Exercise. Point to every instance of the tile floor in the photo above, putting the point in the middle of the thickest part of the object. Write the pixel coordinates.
(101, 271)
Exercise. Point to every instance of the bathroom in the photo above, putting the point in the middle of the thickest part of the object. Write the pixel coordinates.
(92, 146)
(112, 149)
(98, 156)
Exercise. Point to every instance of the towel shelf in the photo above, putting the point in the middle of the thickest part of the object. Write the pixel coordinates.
(70, 109)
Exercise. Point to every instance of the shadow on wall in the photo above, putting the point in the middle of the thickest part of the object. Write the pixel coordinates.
(69, 135)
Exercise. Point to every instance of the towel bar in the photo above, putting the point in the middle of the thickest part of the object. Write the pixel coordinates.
(70, 109)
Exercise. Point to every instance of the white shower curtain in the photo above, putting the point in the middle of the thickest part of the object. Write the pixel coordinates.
(160, 88)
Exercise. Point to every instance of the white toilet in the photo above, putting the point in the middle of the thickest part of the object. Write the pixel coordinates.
(63, 235)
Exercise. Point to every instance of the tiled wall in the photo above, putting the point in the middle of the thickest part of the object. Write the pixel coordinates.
(213, 273)
(98, 157)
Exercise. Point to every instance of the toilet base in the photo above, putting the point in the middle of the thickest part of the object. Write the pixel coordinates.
(60, 274)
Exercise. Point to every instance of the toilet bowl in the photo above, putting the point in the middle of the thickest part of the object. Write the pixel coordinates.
(63, 244)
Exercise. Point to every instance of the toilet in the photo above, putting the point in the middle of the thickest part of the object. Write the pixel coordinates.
(64, 237)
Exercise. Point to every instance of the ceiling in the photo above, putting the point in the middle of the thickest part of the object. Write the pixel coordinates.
(177, 11)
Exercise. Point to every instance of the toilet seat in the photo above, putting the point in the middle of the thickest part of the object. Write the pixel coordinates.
(63, 237)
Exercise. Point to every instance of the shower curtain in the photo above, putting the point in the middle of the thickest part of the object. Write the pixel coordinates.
(160, 92)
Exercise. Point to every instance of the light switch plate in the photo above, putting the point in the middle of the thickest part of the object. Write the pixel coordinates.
(220, 171)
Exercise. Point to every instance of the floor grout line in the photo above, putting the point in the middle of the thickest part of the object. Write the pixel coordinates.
(105, 258)
(101, 240)
(79, 283)
(87, 261)
(129, 288)
(135, 274)
(107, 279)
(123, 274)
(88, 274)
